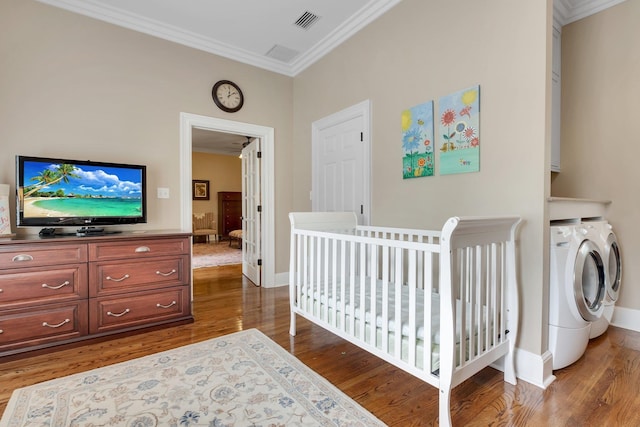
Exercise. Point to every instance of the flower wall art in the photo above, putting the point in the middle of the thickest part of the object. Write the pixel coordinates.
(417, 141)
(460, 132)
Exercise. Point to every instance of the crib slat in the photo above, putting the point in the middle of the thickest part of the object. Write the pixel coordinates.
(397, 338)
(385, 299)
(412, 281)
(362, 273)
(464, 297)
(501, 277)
(323, 296)
(478, 305)
(334, 281)
(496, 299)
(352, 287)
(426, 304)
(306, 273)
(343, 285)
(373, 304)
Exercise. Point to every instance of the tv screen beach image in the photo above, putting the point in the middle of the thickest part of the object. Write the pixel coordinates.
(80, 190)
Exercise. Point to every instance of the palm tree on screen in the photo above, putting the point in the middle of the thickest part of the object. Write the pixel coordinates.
(50, 177)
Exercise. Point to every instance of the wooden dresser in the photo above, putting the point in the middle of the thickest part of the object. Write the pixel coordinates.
(229, 212)
(64, 289)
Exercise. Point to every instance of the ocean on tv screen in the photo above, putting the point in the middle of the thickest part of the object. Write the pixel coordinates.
(67, 207)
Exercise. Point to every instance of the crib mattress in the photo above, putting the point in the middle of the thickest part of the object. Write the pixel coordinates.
(319, 300)
(334, 303)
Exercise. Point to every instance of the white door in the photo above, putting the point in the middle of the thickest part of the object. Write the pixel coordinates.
(251, 212)
(341, 164)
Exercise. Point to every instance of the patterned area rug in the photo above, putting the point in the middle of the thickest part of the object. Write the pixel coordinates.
(213, 254)
(242, 379)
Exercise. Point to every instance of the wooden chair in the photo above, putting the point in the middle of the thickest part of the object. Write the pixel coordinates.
(204, 224)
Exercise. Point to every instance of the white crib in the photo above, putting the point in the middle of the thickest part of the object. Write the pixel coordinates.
(439, 305)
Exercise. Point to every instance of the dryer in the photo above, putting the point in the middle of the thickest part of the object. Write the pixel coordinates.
(610, 251)
(576, 290)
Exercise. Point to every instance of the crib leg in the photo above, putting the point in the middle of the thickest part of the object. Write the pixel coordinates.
(445, 407)
(292, 325)
(510, 365)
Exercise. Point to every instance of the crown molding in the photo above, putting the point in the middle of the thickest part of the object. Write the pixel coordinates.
(139, 23)
(358, 21)
(568, 11)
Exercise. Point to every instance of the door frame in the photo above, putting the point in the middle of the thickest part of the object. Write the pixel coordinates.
(363, 110)
(189, 121)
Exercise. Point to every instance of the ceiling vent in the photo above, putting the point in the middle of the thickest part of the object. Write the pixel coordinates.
(282, 53)
(306, 20)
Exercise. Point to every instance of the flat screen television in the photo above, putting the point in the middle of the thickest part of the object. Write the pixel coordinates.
(60, 192)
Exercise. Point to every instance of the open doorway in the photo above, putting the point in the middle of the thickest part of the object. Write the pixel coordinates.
(217, 171)
(189, 122)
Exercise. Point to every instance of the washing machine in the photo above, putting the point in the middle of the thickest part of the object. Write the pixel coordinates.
(576, 290)
(610, 250)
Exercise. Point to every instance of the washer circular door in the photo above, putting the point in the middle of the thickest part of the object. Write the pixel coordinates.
(589, 281)
(614, 266)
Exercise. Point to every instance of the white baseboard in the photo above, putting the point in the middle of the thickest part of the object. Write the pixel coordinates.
(282, 279)
(534, 368)
(626, 318)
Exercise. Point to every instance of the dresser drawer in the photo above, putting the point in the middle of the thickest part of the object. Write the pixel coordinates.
(142, 308)
(138, 249)
(108, 277)
(22, 287)
(39, 255)
(42, 325)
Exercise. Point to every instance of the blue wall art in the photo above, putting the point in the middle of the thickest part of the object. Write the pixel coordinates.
(417, 141)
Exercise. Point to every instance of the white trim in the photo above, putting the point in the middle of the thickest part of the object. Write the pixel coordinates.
(534, 368)
(362, 109)
(266, 134)
(282, 279)
(626, 318)
(568, 11)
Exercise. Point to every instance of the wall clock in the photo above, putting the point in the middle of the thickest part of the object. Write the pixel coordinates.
(227, 96)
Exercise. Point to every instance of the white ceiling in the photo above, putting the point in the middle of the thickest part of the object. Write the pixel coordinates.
(207, 141)
(262, 33)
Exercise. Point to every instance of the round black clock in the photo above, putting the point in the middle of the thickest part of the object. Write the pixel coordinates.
(227, 96)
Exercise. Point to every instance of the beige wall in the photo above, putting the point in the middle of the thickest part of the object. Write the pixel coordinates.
(75, 87)
(600, 110)
(420, 51)
(79, 88)
(224, 173)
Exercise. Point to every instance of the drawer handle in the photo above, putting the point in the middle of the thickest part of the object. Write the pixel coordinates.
(143, 249)
(64, 322)
(166, 306)
(22, 257)
(166, 274)
(118, 314)
(126, 276)
(44, 285)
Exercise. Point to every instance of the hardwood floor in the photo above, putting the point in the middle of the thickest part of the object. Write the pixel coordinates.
(601, 389)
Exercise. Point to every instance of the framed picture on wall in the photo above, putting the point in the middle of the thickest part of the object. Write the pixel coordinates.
(200, 189)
